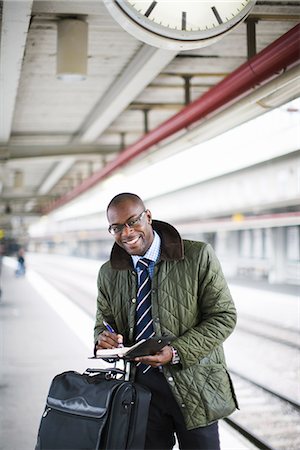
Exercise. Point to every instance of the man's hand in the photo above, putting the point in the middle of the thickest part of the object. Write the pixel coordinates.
(159, 359)
(109, 340)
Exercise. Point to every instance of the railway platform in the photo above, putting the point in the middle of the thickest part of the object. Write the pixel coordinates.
(35, 346)
(40, 337)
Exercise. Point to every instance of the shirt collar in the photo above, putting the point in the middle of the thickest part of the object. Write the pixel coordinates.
(152, 253)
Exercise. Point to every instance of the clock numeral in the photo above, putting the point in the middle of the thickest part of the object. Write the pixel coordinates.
(217, 15)
(150, 9)
(183, 20)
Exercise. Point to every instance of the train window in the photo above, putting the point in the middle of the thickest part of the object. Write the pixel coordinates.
(293, 243)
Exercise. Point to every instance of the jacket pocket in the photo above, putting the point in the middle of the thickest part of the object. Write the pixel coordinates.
(206, 392)
(218, 394)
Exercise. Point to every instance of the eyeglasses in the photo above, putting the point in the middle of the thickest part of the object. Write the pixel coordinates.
(116, 229)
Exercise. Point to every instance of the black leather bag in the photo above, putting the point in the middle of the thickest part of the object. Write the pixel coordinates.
(94, 411)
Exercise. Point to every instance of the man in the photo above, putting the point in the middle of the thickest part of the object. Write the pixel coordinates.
(190, 303)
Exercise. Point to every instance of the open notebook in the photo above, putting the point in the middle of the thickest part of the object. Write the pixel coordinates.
(142, 348)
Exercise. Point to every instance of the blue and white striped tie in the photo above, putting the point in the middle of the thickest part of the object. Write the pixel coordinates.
(144, 322)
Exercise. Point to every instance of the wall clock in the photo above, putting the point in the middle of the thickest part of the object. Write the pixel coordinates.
(176, 24)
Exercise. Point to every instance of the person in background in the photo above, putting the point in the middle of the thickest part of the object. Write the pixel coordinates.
(2, 250)
(21, 262)
(188, 301)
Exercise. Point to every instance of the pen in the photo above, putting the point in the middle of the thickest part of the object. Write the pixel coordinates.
(111, 330)
(108, 327)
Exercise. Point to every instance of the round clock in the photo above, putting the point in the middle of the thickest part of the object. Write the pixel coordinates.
(179, 25)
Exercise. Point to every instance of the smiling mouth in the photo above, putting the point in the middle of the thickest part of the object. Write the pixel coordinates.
(131, 242)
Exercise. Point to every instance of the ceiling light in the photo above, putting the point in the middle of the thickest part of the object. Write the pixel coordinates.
(18, 179)
(72, 43)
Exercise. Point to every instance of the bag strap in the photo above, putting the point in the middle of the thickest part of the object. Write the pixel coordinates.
(108, 373)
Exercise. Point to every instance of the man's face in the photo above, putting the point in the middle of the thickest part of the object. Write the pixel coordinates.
(136, 239)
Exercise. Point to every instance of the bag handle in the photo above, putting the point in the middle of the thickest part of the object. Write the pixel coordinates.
(109, 373)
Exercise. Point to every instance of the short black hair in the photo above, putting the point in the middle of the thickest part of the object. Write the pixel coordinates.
(124, 196)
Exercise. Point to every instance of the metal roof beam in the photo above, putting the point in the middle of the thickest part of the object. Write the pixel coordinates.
(60, 170)
(22, 198)
(45, 151)
(143, 68)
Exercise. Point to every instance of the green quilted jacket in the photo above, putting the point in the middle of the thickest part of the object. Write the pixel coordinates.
(192, 304)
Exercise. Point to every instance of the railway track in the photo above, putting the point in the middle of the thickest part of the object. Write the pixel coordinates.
(268, 420)
(266, 330)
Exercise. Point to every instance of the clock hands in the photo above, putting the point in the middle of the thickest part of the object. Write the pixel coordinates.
(150, 9)
(183, 20)
(183, 15)
(217, 15)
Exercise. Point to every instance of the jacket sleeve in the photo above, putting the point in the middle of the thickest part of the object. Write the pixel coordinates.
(217, 313)
(103, 306)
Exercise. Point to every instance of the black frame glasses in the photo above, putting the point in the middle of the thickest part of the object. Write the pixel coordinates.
(118, 228)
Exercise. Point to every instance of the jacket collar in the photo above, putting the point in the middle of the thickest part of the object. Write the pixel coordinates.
(171, 247)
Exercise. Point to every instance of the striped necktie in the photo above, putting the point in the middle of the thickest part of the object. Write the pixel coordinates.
(144, 322)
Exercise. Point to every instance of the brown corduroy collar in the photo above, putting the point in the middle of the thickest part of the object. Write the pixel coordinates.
(171, 247)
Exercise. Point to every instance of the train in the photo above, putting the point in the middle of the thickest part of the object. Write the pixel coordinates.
(251, 217)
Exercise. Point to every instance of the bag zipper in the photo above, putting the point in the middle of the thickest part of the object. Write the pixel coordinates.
(46, 412)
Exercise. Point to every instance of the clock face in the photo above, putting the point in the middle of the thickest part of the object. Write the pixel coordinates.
(169, 23)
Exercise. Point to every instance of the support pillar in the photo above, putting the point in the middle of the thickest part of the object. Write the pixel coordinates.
(277, 272)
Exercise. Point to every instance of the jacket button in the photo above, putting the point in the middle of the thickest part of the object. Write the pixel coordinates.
(133, 300)
(171, 379)
(183, 405)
